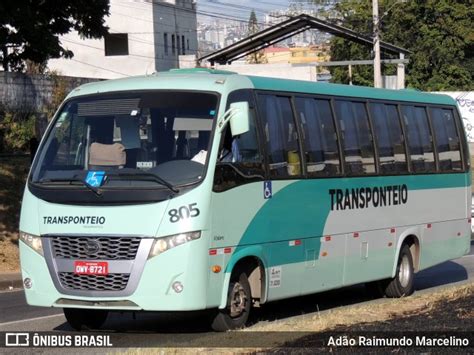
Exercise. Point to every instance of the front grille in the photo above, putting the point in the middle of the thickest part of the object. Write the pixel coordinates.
(110, 282)
(108, 248)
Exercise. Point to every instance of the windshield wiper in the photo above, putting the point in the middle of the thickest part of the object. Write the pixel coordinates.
(95, 190)
(143, 177)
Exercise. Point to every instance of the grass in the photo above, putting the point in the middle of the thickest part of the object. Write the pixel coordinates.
(448, 309)
(383, 311)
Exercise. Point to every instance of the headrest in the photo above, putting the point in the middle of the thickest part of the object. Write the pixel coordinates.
(107, 154)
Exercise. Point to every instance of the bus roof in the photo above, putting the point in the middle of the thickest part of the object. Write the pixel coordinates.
(365, 92)
(200, 80)
(204, 79)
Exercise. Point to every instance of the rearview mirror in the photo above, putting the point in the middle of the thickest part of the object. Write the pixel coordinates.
(238, 115)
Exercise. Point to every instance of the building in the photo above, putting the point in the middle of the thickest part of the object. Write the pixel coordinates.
(310, 54)
(144, 36)
(277, 55)
(297, 55)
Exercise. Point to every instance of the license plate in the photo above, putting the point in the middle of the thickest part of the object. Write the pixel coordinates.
(91, 267)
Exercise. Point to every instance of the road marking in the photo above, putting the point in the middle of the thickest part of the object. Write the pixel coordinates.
(11, 291)
(31, 319)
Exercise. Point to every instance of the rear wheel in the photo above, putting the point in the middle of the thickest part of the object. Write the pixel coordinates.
(403, 283)
(237, 311)
(85, 319)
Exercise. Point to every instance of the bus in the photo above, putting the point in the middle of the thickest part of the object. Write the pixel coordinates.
(201, 189)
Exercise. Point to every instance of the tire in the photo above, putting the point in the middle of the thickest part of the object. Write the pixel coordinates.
(239, 300)
(85, 319)
(403, 283)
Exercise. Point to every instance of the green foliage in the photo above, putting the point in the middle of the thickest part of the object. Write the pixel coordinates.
(60, 91)
(253, 23)
(255, 57)
(439, 33)
(30, 30)
(17, 132)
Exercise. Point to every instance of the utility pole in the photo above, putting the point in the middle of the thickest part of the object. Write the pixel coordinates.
(377, 68)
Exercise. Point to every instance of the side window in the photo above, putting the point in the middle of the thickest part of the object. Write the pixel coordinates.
(239, 160)
(419, 138)
(447, 139)
(71, 134)
(357, 138)
(389, 138)
(281, 137)
(319, 136)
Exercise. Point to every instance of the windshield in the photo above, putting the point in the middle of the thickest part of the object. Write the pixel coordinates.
(157, 139)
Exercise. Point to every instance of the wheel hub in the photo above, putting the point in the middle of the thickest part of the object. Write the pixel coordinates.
(238, 300)
(404, 273)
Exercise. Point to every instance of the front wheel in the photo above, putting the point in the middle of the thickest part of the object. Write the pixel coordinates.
(403, 283)
(239, 300)
(85, 319)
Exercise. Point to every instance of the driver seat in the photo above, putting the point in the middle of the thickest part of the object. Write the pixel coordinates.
(107, 156)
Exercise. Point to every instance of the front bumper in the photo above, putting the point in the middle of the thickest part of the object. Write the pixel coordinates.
(186, 263)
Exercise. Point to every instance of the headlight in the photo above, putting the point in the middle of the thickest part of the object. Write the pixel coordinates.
(32, 241)
(163, 244)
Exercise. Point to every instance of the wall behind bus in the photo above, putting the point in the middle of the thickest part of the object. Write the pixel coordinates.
(465, 101)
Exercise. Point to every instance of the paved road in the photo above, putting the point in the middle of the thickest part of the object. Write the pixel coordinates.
(15, 314)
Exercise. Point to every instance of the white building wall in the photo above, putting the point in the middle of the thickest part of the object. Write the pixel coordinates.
(145, 22)
(278, 70)
(179, 20)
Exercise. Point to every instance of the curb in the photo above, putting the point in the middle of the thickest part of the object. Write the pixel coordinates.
(10, 280)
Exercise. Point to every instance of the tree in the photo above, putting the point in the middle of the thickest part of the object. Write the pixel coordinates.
(30, 29)
(439, 33)
(257, 57)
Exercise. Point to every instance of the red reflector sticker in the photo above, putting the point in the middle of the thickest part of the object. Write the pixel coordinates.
(392, 230)
(356, 235)
(428, 225)
(298, 242)
(327, 238)
(91, 267)
(213, 252)
(227, 250)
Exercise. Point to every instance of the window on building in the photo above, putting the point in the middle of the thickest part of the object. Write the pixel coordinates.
(419, 138)
(319, 136)
(165, 43)
(356, 137)
(173, 44)
(178, 50)
(389, 138)
(447, 139)
(187, 44)
(116, 44)
(280, 135)
(183, 49)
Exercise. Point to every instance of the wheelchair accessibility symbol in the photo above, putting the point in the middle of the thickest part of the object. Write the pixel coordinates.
(95, 178)
(267, 189)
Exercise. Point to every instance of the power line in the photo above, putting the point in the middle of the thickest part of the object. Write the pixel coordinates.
(96, 66)
(132, 55)
(204, 13)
